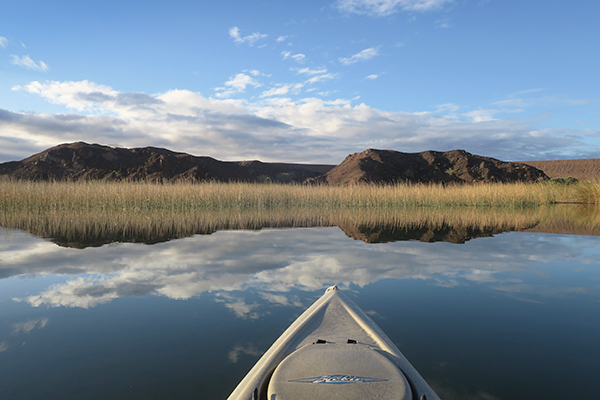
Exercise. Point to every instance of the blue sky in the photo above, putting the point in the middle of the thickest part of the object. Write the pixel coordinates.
(309, 81)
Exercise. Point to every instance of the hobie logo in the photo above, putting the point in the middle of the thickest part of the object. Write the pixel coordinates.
(338, 379)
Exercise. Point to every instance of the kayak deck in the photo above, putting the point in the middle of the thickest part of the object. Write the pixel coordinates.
(333, 351)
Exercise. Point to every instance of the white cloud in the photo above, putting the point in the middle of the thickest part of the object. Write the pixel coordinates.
(447, 107)
(28, 63)
(272, 128)
(372, 77)
(3, 346)
(240, 81)
(235, 34)
(282, 90)
(308, 71)
(443, 23)
(250, 39)
(69, 93)
(276, 91)
(237, 84)
(281, 39)
(527, 91)
(482, 115)
(321, 77)
(384, 8)
(296, 57)
(327, 93)
(3, 42)
(521, 102)
(525, 99)
(364, 55)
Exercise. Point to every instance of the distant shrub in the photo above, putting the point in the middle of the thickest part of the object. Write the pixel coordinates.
(564, 181)
(264, 179)
(283, 177)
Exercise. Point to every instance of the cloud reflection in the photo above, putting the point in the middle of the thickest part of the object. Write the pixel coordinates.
(28, 326)
(238, 306)
(250, 350)
(274, 261)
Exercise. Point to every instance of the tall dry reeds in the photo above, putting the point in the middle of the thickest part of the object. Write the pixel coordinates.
(124, 196)
(588, 192)
(91, 213)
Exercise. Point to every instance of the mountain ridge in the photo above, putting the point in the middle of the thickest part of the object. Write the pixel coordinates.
(454, 166)
(83, 161)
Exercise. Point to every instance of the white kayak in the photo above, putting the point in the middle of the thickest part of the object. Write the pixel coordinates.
(333, 351)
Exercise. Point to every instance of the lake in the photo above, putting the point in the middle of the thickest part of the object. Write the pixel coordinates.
(481, 312)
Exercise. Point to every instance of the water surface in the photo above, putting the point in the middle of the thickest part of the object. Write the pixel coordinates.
(492, 315)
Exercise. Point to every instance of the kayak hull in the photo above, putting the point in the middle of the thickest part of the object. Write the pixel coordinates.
(333, 351)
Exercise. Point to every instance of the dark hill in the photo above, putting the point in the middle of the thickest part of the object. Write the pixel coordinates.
(388, 166)
(82, 161)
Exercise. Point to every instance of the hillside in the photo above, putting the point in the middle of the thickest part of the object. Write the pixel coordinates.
(458, 166)
(82, 161)
(585, 169)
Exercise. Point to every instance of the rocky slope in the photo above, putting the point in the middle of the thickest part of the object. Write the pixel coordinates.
(76, 161)
(388, 166)
(82, 161)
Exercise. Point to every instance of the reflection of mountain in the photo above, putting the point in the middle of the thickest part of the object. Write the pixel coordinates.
(366, 233)
(390, 233)
(81, 230)
(272, 262)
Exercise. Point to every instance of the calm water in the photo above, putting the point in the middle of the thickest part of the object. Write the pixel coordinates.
(510, 316)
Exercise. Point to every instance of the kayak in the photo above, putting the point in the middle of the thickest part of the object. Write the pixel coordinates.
(333, 351)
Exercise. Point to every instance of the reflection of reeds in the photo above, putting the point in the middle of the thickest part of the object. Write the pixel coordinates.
(80, 228)
(97, 212)
(579, 220)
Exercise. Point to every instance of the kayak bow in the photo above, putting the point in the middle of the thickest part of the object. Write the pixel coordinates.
(333, 351)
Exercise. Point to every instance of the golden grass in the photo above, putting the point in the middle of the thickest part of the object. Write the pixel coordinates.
(180, 197)
(588, 192)
(99, 212)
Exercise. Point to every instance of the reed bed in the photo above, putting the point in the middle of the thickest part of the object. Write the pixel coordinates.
(184, 197)
(94, 213)
(588, 192)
